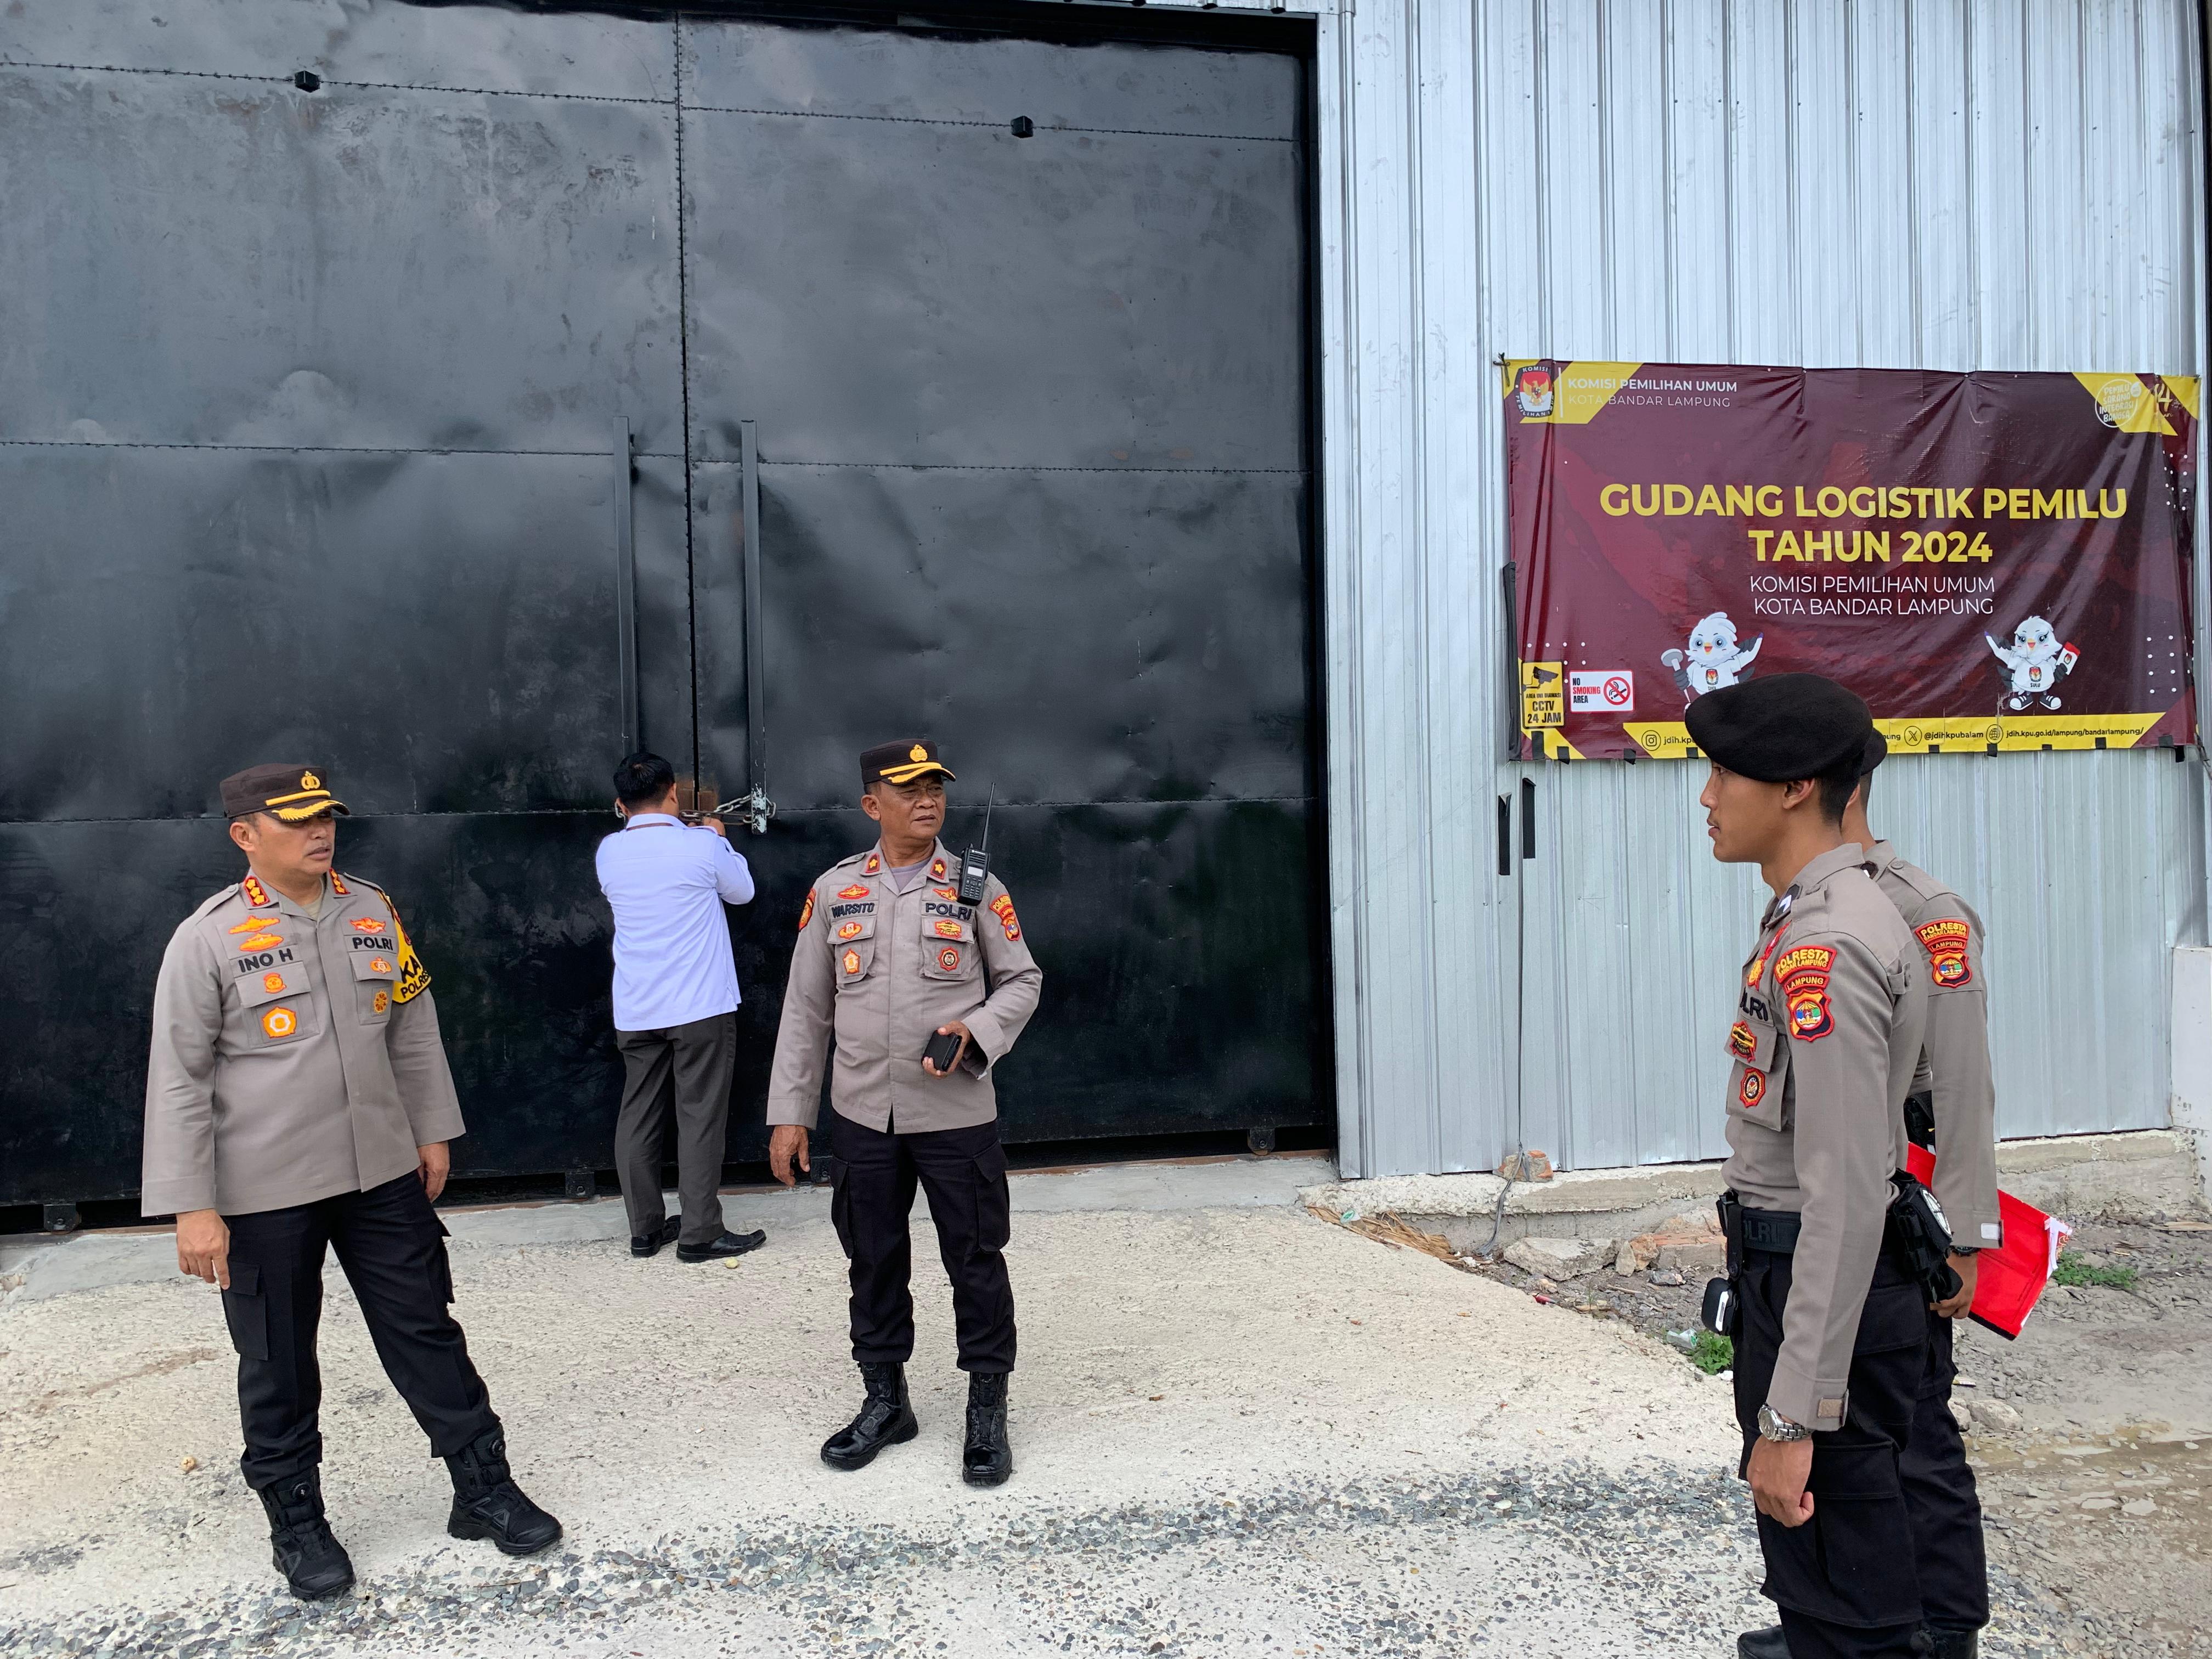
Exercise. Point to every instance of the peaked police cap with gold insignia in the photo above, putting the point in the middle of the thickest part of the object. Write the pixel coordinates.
(293, 794)
(900, 763)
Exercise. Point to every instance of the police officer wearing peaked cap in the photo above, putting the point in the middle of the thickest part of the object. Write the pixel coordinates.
(297, 1098)
(1827, 1027)
(888, 958)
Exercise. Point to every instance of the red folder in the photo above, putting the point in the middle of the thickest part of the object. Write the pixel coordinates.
(2010, 1279)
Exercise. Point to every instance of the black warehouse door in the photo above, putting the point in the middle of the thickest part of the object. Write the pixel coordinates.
(316, 390)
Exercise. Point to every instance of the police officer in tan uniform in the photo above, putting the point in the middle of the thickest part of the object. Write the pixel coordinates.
(297, 1098)
(1951, 1109)
(889, 958)
(1829, 1021)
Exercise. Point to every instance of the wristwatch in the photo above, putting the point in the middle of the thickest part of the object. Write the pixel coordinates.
(1772, 1425)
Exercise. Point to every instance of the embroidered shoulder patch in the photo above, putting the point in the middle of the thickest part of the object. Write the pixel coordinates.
(1803, 959)
(1003, 907)
(413, 977)
(806, 910)
(1810, 1017)
(1945, 941)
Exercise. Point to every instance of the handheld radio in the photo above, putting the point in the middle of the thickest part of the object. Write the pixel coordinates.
(976, 862)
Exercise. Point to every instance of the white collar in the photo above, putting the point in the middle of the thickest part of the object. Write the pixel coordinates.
(636, 818)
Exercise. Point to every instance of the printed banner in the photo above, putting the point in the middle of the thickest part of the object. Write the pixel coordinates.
(1993, 562)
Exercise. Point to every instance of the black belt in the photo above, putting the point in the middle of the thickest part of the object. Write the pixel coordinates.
(1774, 1232)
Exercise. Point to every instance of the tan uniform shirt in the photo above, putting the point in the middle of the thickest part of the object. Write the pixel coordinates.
(1955, 1066)
(1829, 1026)
(881, 970)
(294, 1057)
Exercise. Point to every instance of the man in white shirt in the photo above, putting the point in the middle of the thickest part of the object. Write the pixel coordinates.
(676, 1000)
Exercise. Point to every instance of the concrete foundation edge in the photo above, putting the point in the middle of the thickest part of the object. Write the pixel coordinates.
(2138, 1176)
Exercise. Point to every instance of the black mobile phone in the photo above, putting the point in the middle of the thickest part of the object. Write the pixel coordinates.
(943, 1049)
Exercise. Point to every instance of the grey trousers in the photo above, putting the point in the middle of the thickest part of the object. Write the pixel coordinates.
(683, 1071)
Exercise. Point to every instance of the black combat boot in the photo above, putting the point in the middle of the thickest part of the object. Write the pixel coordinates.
(988, 1458)
(885, 1419)
(487, 1503)
(1950, 1642)
(314, 1563)
(1768, 1643)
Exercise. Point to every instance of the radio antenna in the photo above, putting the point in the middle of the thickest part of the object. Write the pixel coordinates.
(988, 805)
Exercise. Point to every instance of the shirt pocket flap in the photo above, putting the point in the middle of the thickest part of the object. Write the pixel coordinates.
(843, 930)
(1752, 1042)
(375, 965)
(852, 959)
(280, 979)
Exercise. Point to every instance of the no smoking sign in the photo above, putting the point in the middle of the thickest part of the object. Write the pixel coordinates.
(1600, 691)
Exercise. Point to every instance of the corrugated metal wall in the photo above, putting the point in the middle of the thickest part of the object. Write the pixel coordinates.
(1947, 184)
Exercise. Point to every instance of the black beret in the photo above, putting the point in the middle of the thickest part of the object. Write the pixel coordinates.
(1877, 752)
(1780, 727)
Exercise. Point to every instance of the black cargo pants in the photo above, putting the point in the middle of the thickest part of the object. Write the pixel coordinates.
(1847, 1581)
(392, 1248)
(1941, 1496)
(964, 1173)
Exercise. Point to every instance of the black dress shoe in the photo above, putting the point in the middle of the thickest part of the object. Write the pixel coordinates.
(1768, 1643)
(728, 1244)
(487, 1503)
(885, 1419)
(314, 1563)
(1946, 1642)
(988, 1457)
(651, 1243)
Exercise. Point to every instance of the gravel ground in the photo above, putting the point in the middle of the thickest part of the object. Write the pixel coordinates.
(1238, 1432)
(2090, 1437)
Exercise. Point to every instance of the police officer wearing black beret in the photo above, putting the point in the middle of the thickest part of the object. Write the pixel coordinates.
(1825, 1030)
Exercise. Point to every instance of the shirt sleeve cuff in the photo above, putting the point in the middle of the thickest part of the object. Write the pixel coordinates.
(790, 1113)
(436, 1124)
(985, 1043)
(175, 1197)
(1818, 1403)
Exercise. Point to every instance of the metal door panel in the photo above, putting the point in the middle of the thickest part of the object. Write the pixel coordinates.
(437, 629)
(907, 75)
(1071, 636)
(502, 908)
(1106, 300)
(208, 262)
(1179, 945)
(488, 48)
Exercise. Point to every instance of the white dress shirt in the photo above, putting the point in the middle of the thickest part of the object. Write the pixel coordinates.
(666, 882)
